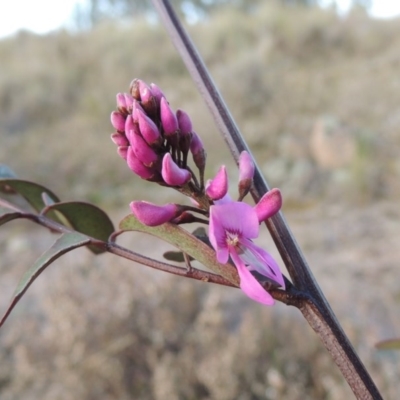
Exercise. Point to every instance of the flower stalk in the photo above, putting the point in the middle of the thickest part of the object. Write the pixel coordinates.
(324, 322)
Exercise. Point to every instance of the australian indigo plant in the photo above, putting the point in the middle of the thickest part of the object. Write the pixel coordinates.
(160, 146)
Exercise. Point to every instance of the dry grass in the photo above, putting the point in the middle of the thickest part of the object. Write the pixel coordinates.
(96, 327)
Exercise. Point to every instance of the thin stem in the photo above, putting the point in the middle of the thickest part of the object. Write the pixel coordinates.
(321, 318)
(120, 251)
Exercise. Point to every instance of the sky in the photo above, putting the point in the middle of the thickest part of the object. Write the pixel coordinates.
(42, 16)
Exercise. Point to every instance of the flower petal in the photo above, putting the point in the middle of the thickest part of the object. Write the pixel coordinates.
(249, 284)
(236, 217)
(261, 261)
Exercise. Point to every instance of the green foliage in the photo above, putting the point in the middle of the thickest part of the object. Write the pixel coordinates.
(85, 218)
(67, 242)
(184, 241)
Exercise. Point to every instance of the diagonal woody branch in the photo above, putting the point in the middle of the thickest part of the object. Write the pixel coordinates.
(317, 312)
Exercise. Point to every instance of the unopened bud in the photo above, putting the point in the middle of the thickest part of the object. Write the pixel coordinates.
(157, 93)
(128, 101)
(246, 173)
(143, 151)
(121, 103)
(268, 205)
(218, 187)
(134, 89)
(147, 98)
(169, 121)
(184, 122)
(118, 121)
(172, 174)
(137, 166)
(148, 128)
(198, 152)
(152, 215)
(119, 139)
(123, 151)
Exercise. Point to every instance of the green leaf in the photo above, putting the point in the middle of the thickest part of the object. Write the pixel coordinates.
(64, 244)
(86, 218)
(391, 344)
(33, 193)
(184, 241)
(177, 256)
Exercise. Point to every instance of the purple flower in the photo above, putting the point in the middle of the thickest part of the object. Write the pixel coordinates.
(232, 226)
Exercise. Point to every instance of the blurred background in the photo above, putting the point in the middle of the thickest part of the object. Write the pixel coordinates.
(315, 88)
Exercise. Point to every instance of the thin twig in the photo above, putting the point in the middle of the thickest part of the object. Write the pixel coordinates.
(120, 251)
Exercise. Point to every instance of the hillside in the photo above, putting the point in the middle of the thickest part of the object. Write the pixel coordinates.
(317, 97)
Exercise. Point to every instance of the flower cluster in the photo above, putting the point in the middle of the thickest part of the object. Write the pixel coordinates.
(155, 142)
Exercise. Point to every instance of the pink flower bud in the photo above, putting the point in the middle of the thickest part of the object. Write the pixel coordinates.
(137, 167)
(246, 173)
(144, 91)
(135, 107)
(172, 174)
(118, 121)
(218, 187)
(198, 152)
(268, 205)
(128, 101)
(146, 155)
(157, 92)
(184, 122)
(119, 139)
(134, 89)
(131, 128)
(152, 215)
(246, 166)
(147, 98)
(169, 121)
(121, 102)
(128, 124)
(148, 128)
(123, 151)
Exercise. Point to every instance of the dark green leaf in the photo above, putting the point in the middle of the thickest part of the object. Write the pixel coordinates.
(33, 193)
(64, 244)
(176, 256)
(184, 241)
(391, 344)
(86, 218)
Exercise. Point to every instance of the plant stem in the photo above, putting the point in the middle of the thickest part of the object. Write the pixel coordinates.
(316, 310)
